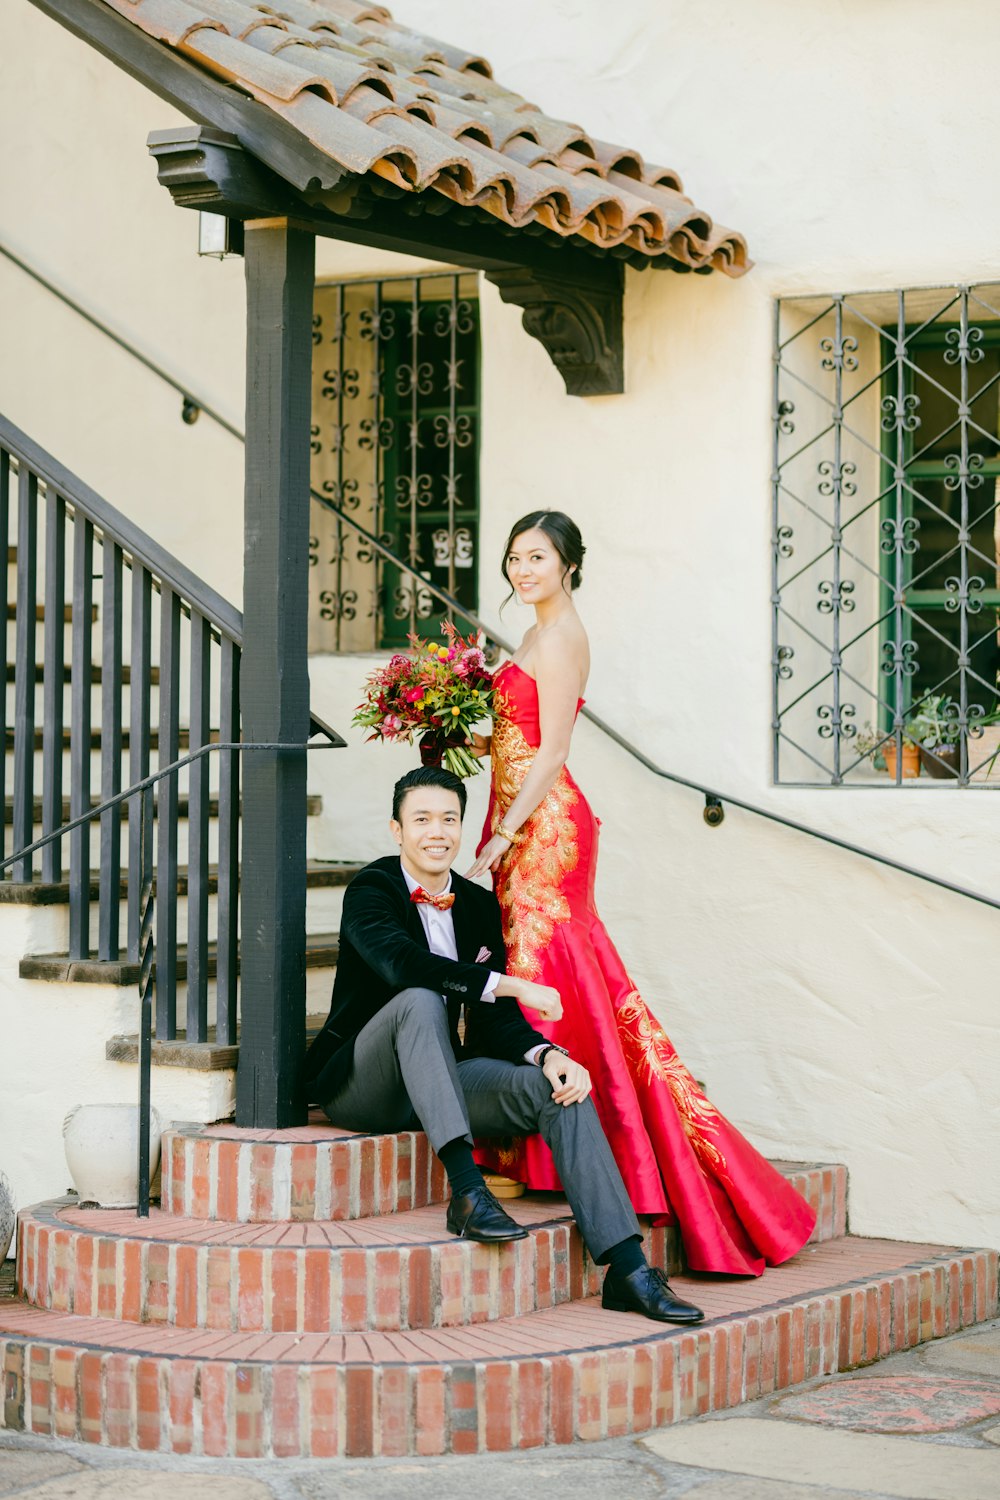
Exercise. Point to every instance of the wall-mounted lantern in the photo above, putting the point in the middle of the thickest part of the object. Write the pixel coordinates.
(219, 235)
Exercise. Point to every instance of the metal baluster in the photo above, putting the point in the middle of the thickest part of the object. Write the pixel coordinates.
(341, 334)
(775, 575)
(167, 800)
(835, 532)
(54, 679)
(452, 432)
(229, 846)
(198, 806)
(142, 819)
(109, 924)
(379, 498)
(414, 548)
(24, 669)
(4, 601)
(899, 486)
(965, 605)
(138, 745)
(80, 745)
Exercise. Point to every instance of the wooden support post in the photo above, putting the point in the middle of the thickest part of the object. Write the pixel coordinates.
(280, 271)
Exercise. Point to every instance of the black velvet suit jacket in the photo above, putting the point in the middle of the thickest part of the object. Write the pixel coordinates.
(383, 950)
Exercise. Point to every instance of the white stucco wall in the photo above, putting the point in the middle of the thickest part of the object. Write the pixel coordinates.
(837, 1011)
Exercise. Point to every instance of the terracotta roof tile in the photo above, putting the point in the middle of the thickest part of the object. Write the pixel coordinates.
(377, 97)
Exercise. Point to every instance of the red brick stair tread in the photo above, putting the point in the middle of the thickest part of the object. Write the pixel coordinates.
(824, 1269)
(415, 1226)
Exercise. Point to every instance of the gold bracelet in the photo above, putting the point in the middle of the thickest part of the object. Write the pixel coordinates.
(505, 833)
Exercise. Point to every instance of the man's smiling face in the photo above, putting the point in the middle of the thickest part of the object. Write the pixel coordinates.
(429, 832)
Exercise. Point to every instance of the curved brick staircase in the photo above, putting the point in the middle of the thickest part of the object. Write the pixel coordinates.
(297, 1295)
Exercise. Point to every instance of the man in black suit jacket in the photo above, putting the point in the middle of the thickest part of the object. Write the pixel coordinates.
(420, 945)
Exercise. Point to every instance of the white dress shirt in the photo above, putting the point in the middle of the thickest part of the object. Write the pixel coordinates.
(439, 929)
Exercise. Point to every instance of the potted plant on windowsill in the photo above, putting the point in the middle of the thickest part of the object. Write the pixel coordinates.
(880, 749)
(933, 726)
(984, 748)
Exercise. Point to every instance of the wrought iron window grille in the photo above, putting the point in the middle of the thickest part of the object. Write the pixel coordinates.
(395, 440)
(886, 539)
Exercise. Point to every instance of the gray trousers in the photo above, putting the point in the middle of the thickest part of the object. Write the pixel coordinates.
(404, 1067)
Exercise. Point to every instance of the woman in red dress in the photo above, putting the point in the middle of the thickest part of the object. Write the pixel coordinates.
(681, 1160)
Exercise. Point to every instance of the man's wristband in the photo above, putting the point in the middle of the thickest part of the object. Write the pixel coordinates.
(552, 1047)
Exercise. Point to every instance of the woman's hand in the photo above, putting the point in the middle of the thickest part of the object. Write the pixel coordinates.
(479, 745)
(540, 997)
(489, 857)
(570, 1080)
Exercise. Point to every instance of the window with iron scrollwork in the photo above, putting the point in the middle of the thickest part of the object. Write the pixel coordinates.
(395, 444)
(886, 539)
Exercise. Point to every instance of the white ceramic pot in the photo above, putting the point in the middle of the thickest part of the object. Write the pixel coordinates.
(102, 1152)
(7, 1216)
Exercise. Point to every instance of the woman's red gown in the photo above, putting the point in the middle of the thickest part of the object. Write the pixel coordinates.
(680, 1159)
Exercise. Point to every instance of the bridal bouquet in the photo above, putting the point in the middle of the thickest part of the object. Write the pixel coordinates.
(435, 691)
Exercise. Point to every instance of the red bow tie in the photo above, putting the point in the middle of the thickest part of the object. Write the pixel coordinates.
(444, 902)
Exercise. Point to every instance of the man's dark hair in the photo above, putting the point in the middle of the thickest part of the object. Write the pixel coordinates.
(427, 776)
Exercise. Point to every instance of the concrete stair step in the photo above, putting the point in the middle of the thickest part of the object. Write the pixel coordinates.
(96, 739)
(321, 953)
(571, 1372)
(314, 805)
(40, 612)
(96, 673)
(320, 875)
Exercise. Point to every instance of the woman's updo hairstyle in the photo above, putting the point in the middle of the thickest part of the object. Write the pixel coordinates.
(562, 532)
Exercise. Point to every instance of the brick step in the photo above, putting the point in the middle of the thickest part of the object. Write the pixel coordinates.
(388, 1274)
(321, 874)
(572, 1372)
(384, 1272)
(322, 950)
(315, 1171)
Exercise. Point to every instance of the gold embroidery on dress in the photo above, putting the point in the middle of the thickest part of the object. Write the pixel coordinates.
(649, 1047)
(532, 872)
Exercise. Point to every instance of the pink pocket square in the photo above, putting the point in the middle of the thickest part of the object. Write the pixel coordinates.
(482, 955)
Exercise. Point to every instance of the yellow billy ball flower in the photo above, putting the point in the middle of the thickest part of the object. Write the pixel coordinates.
(456, 711)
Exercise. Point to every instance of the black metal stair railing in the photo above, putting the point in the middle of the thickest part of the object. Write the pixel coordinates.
(715, 800)
(83, 566)
(141, 816)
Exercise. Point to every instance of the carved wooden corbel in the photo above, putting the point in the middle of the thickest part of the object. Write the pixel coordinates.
(577, 316)
(207, 169)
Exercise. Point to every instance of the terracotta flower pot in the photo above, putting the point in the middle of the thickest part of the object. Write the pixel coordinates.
(911, 759)
(984, 754)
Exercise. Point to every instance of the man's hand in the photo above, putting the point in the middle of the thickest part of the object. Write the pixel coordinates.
(570, 1081)
(540, 997)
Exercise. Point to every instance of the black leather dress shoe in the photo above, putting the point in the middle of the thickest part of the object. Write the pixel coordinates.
(478, 1216)
(647, 1291)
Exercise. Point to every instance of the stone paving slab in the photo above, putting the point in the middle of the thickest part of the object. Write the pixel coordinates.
(977, 1353)
(21, 1468)
(906, 1403)
(905, 1467)
(125, 1484)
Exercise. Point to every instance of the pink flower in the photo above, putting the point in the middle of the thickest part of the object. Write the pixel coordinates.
(391, 725)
